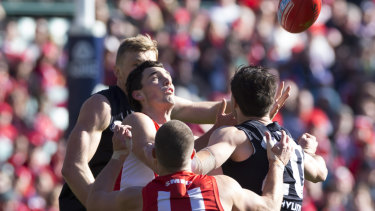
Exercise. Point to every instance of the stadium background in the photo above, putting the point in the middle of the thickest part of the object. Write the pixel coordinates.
(331, 68)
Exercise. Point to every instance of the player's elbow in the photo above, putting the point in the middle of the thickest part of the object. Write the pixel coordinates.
(322, 175)
(91, 203)
(266, 203)
(67, 171)
(269, 205)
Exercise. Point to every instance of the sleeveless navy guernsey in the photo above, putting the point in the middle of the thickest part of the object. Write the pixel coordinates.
(251, 172)
(120, 108)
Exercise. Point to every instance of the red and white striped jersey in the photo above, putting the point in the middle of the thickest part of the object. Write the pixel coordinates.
(182, 191)
(134, 172)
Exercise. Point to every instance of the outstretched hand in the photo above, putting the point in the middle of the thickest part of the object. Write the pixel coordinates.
(222, 118)
(148, 152)
(122, 138)
(281, 151)
(281, 97)
(308, 143)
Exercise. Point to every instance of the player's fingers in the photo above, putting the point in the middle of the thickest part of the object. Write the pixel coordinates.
(302, 139)
(116, 128)
(284, 139)
(223, 106)
(308, 135)
(276, 107)
(121, 129)
(284, 96)
(280, 90)
(269, 140)
(274, 110)
(128, 133)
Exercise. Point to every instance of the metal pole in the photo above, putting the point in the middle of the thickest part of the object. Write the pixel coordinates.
(84, 17)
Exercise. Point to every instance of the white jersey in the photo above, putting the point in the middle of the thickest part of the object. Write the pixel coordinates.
(135, 173)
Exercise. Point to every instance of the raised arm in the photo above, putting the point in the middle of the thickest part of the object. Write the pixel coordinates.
(235, 198)
(186, 110)
(143, 130)
(281, 97)
(94, 117)
(222, 119)
(101, 196)
(223, 142)
(195, 112)
(314, 165)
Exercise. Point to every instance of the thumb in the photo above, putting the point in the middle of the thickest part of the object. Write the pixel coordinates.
(269, 141)
(223, 106)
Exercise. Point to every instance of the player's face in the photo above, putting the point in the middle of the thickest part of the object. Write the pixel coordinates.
(157, 86)
(130, 61)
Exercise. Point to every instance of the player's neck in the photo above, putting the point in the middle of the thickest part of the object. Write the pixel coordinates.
(121, 86)
(164, 171)
(159, 115)
(264, 120)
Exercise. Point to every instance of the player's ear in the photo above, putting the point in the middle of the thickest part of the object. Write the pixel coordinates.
(193, 154)
(153, 153)
(137, 95)
(116, 71)
(233, 103)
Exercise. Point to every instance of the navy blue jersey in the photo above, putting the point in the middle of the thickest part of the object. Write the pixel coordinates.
(250, 173)
(120, 108)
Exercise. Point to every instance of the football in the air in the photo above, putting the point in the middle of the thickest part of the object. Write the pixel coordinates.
(296, 16)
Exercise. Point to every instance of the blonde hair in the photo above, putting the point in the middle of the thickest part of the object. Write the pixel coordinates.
(139, 43)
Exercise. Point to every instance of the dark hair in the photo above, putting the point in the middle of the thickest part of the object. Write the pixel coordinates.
(134, 82)
(254, 89)
(174, 143)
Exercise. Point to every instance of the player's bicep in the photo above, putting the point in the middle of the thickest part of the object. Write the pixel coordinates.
(247, 200)
(315, 168)
(234, 197)
(309, 167)
(222, 144)
(84, 139)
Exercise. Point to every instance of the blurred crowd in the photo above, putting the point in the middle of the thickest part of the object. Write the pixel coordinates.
(330, 67)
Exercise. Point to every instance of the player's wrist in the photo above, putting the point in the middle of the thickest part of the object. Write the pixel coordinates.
(120, 155)
(309, 152)
(277, 163)
(196, 165)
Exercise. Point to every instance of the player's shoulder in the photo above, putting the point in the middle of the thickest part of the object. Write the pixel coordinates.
(230, 132)
(227, 186)
(228, 129)
(96, 100)
(96, 106)
(138, 118)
